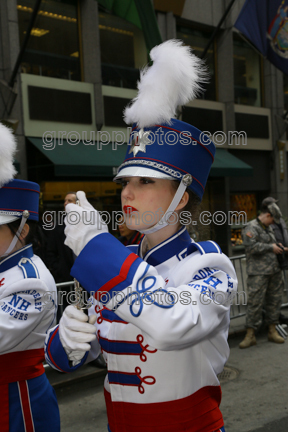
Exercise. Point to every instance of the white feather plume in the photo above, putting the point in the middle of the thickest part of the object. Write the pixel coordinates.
(7, 152)
(174, 79)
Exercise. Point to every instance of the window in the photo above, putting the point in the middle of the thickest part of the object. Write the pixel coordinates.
(285, 89)
(247, 74)
(285, 80)
(198, 40)
(53, 47)
(123, 51)
(246, 207)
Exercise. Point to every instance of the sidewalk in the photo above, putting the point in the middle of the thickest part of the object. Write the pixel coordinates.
(87, 372)
(254, 391)
(237, 325)
(258, 396)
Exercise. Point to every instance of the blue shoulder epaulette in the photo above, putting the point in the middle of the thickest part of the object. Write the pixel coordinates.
(28, 268)
(133, 248)
(204, 247)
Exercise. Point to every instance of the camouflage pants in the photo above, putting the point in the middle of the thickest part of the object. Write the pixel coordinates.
(264, 289)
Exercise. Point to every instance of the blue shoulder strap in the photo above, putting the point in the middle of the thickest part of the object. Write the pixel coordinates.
(133, 248)
(204, 247)
(28, 268)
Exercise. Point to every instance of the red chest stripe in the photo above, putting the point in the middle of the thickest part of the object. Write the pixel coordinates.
(119, 278)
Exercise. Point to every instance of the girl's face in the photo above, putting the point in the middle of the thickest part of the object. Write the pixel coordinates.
(124, 230)
(6, 237)
(145, 200)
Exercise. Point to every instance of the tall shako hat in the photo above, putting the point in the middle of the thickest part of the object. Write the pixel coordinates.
(19, 199)
(161, 146)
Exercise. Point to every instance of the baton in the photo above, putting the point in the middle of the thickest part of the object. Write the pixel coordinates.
(80, 304)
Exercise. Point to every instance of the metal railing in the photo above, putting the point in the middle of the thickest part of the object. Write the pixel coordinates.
(239, 304)
(59, 286)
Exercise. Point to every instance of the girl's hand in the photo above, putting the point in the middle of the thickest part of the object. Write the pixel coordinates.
(76, 332)
(83, 223)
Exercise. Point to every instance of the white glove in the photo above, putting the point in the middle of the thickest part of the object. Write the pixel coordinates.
(75, 332)
(83, 223)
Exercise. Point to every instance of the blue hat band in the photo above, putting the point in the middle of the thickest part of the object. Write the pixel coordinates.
(175, 172)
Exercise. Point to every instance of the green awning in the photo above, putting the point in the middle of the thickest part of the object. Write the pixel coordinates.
(82, 160)
(227, 165)
(140, 13)
(89, 161)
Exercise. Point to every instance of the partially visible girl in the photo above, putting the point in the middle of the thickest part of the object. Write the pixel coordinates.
(28, 305)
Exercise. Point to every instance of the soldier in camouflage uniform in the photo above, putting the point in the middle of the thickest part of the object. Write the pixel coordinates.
(265, 281)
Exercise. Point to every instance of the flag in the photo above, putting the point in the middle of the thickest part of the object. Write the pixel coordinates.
(140, 13)
(265, 24)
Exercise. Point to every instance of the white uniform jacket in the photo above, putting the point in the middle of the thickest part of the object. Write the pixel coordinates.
(28, 303)
(162, 326)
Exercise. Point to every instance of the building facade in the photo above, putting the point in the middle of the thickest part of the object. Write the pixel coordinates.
(79, 70)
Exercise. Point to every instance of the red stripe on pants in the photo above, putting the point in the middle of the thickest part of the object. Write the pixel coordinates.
(4, 407)
(18, 366)
(26, 408)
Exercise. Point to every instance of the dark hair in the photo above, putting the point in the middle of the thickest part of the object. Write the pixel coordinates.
(34, 236)
(192, 205)
(264, 209)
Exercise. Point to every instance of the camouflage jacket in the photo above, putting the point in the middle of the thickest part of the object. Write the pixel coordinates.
(258, 241)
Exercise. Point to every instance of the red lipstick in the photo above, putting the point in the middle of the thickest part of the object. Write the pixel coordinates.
(129, 209)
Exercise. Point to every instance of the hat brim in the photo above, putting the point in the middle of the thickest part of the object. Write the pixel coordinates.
(269, 200)
(5, 219)
(141, 172)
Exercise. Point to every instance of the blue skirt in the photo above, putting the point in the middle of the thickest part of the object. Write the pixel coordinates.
(33, 402)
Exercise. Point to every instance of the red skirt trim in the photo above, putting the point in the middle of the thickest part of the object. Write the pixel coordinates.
(196, 413)
(18, 366)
